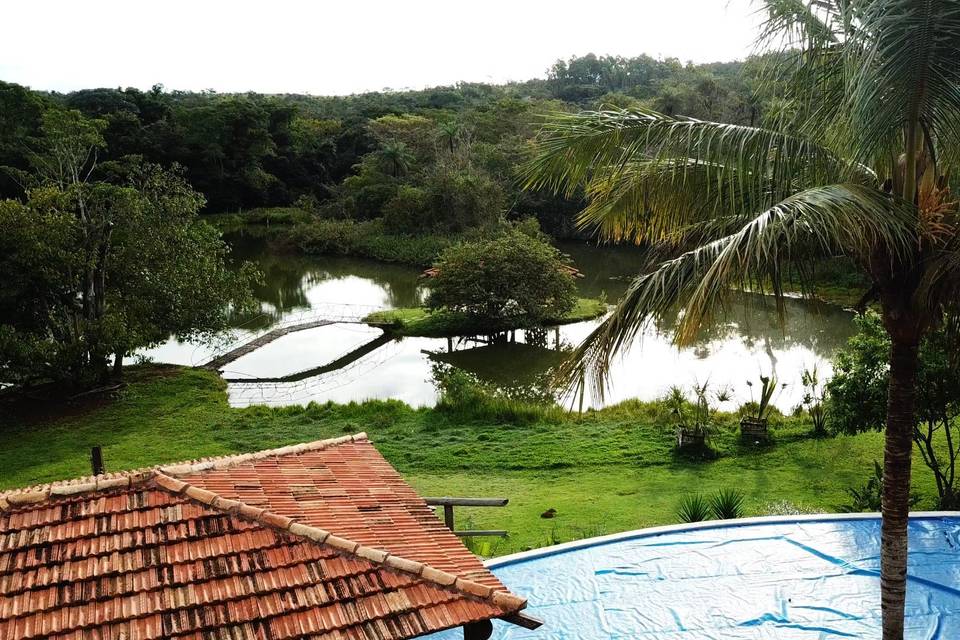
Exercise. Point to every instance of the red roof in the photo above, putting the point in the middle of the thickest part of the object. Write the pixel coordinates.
(321, 540)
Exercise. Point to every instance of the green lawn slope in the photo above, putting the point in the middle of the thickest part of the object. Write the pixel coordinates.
(603, 472)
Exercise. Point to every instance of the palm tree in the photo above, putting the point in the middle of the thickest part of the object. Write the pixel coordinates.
(859, 168)
(397, 156)
(448, 133)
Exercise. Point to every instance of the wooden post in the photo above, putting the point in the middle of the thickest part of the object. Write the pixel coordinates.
(96, 461)
(481, 630)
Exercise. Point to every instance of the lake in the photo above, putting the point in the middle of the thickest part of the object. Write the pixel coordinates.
(346, 361)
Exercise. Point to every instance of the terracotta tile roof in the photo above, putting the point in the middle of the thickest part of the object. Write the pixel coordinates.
(321, 540)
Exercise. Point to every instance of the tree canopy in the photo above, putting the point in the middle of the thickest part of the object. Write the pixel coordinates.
(99, 260)
(513, 280)
(242, 151)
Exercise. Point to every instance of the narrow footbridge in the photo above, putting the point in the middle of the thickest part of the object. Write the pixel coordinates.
(317, 316)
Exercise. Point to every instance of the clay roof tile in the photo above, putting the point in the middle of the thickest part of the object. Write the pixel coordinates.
(239, 547)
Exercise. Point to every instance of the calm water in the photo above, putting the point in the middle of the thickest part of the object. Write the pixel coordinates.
(344, 361)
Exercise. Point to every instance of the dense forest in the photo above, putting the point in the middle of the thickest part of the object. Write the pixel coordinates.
(439, 160)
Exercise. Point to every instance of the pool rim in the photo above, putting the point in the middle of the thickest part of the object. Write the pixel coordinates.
(636, 534)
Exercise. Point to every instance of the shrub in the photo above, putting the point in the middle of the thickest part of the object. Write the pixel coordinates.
(513, 280)
(814, 399)
(467, 398)
(367, 239)
(694, 507)
(459, 199)
(405, 211)
(858, 397)
(858, 390)
(727, 504)
(869, 495)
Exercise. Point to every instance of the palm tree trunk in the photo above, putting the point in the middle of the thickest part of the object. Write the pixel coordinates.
(898, 447)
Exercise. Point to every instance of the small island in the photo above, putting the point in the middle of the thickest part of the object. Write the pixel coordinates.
(512, 280)
(425, 323)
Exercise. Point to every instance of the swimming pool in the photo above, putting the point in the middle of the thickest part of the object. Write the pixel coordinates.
(798, 577)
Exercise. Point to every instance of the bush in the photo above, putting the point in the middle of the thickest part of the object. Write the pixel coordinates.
(461, 199)
(694, 507)
(465, 397)
(858, 398)
(869, 495)
(514, 280)
(727, 504)
(366, 239)
(858, 391)
(405, 211)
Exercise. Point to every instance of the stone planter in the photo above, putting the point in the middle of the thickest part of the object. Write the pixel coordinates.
(754, 428)
(690, 438)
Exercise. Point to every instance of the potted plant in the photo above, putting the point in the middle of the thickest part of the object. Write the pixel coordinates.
(754, 424)
(693, 419)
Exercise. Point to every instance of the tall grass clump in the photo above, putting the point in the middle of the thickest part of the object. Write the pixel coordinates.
(468, 399)
(694, 507)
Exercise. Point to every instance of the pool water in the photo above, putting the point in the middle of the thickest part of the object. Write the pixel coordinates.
(797, 578)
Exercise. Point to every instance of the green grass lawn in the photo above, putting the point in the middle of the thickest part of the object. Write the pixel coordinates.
(421, 322)
(603, 472)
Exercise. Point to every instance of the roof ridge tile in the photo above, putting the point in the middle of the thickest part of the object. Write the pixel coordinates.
(125, 479)
(505, 600)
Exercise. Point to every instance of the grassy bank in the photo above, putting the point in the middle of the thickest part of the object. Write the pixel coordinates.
(266, 216)
(603, 472)
(367, 239)
(421, 322)
(298, 230)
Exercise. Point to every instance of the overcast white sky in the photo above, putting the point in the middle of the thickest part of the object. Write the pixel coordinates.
(346, 46)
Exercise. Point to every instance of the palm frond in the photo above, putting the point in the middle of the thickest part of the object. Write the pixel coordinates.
(803, 23)
(904, 69)
(842, 217)
(626, 156)
(653, 202)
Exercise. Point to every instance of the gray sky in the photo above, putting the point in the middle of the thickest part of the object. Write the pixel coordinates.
(346, 46)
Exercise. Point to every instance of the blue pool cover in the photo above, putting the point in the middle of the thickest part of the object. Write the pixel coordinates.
(806, 579)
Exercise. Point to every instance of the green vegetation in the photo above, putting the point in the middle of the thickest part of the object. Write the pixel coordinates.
(423, 322)
(368, 239)
(98, 261)
(857, 397)
(442, 157)
(516, 279)
(266, 216)
(694, 507)
(865, 151)
(604, 471)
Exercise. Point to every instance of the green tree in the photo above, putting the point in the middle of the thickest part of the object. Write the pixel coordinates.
(459, 199)
(97, 269)
(396, 158)
(449, 134)
(414, 131)
(860, 171)
(857, 391)
(514, 280)
(858, 388)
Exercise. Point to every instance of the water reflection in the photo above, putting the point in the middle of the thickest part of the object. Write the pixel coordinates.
(294, 282)
(345, 362)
